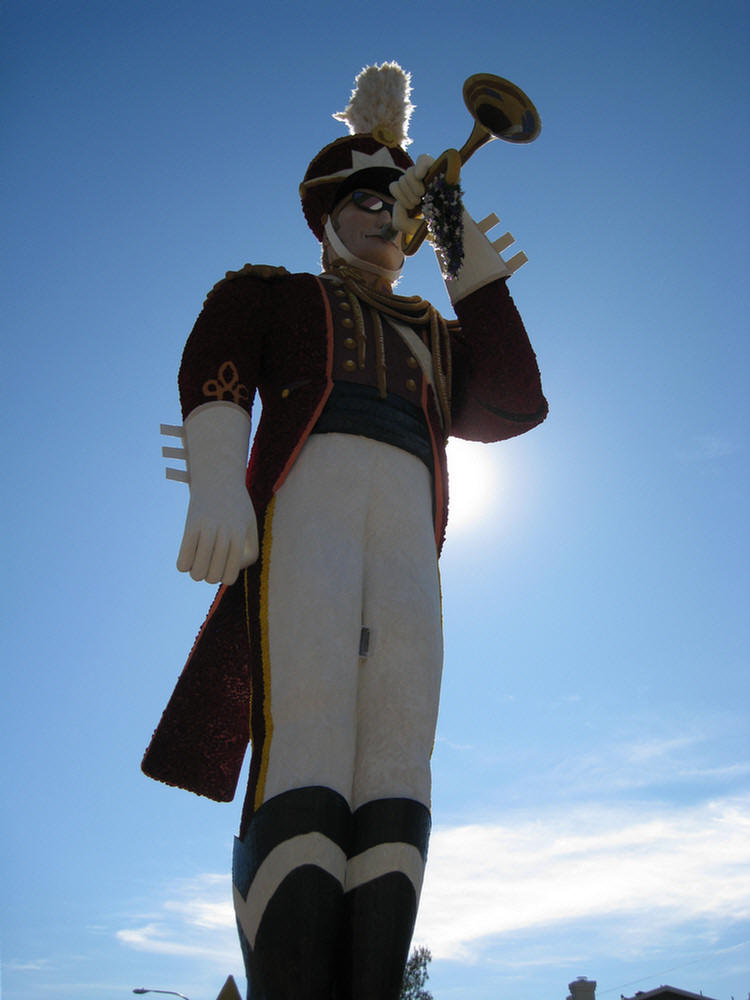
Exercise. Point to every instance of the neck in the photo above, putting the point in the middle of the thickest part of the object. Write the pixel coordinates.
(366, 278)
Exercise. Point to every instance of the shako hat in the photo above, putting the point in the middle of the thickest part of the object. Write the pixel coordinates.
(372, 155)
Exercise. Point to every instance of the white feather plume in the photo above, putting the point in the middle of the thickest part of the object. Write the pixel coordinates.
(380, 102)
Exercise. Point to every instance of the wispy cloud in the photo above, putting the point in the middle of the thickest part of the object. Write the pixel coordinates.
(625, 765)
(609, 863)
(708, 448)
(690, 758)
(457, 747)
(639, 874)
(195, 917)
(34, 965)
(656, 749)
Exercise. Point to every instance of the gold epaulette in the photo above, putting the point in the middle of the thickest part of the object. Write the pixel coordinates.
(264, 271)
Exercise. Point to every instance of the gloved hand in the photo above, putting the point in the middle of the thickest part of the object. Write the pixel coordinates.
(221, 532)
(482, 261)
(408, 191)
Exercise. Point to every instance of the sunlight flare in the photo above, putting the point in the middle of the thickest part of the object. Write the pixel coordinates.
(473, 483)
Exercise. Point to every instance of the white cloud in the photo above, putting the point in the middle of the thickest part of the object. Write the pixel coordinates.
(626, 863)
(207, 902)
(638, 873)
(728, 772)
(627, 765)
(457, 747)
(34, 965)
(196, 918)
(650, 750)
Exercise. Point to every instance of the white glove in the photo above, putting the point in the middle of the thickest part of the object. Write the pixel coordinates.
(408, 191)
(482, 262)
(221, 531)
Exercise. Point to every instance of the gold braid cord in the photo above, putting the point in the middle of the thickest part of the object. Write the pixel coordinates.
(412, 311)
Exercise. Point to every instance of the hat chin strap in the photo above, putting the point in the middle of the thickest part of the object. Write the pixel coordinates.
(343, 252)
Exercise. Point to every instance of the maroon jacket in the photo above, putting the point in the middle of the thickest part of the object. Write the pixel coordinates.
(267, 330)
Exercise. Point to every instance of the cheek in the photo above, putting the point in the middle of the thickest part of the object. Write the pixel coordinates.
(345, 223)
(350, 231)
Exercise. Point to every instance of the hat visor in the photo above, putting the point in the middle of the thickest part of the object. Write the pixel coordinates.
(376, 179)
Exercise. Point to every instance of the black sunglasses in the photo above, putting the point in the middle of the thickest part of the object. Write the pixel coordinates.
(370, 202)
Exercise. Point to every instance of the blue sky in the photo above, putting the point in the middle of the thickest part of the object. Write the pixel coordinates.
(592, 766)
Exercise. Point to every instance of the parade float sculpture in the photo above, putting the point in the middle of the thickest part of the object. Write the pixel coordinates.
(323, 646)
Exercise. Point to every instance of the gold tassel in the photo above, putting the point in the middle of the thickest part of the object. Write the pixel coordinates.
(379, 354)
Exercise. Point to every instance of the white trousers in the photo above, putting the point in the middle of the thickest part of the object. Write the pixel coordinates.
(352, 547)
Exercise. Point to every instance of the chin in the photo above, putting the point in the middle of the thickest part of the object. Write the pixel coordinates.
(389, 262)
(386, 255)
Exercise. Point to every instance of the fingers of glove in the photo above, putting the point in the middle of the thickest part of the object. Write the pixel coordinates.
(402, 221)
(401, 192)
(204, 551)
(233, 564)
(242, 552)
(422, 166)
(216, 572)
(407, 190)
(414, 185)
(189, 544)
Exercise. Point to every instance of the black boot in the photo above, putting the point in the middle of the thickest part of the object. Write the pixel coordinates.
(383, 882)
(288, 873)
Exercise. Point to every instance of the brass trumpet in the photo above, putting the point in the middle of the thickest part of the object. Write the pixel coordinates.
(500, 110)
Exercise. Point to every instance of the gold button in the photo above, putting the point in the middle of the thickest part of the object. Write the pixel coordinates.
(347, 321)
(349, 366)
(340, 292)
(350, 343)
(346, 306)
(411, 385)
(284, 393)
(411, 362)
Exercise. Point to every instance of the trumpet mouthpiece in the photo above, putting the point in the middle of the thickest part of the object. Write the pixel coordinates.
(388, 232)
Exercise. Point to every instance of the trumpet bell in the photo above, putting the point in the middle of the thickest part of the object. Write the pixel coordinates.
(501, 108)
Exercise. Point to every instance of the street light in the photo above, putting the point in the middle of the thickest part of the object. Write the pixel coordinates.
(171, 993)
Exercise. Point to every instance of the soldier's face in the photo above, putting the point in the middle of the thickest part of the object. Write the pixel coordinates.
(362, 222)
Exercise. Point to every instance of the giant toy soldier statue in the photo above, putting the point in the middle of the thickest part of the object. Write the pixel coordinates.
(323, 646)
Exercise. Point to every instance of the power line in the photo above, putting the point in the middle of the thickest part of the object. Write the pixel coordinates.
(674, 968)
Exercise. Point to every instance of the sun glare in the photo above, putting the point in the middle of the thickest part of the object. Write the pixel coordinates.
(473, 483)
